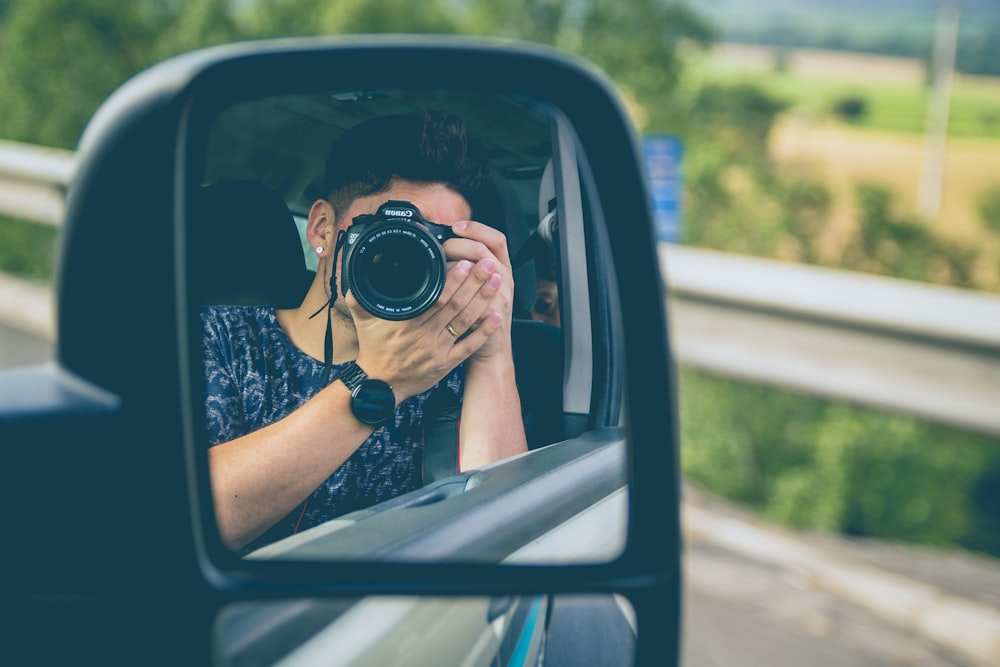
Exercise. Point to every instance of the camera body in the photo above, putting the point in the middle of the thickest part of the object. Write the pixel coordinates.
(393, 261)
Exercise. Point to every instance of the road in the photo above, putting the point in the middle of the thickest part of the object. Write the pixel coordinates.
(20, 349)
(739, 612)
(759, 594)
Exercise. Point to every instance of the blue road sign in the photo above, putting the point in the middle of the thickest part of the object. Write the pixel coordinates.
(663, 155)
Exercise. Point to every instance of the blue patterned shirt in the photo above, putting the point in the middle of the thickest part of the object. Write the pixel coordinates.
(255, 376)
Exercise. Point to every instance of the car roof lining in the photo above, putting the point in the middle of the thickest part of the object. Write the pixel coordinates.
(282, 141)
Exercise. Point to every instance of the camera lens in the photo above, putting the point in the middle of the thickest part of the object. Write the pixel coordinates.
(397, 268)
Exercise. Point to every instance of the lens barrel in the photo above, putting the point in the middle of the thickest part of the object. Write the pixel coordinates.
(393, 265)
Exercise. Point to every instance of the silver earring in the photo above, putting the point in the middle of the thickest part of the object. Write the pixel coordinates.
(319, 250)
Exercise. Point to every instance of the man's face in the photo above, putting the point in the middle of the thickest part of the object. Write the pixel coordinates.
(436, 202)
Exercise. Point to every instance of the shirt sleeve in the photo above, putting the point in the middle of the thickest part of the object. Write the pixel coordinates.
(224, 413)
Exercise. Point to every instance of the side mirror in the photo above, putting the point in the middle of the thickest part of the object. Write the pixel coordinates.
(110, 443)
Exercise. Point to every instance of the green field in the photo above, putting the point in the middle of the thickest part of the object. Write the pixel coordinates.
(892, 103)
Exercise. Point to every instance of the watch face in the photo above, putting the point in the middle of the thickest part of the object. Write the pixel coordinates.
(373, 402)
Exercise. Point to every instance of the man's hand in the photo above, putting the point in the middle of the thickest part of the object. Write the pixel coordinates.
(413, 355)
(482, 244)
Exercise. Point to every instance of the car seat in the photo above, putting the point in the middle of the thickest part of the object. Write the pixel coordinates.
(539, 361)
(245, 247)
(497, 205)
(538, 346)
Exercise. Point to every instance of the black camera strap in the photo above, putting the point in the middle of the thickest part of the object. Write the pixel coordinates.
(328, 338)
(442, 411)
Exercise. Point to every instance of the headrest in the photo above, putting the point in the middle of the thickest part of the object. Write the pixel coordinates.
(245, 247)
(497, 205)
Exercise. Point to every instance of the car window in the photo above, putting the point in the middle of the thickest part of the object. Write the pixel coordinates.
(262, 168)
(510, 630)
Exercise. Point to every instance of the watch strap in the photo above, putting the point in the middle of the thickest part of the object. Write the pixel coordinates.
(352, 375)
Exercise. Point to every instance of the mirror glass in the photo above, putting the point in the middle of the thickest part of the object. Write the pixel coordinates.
(382, 379)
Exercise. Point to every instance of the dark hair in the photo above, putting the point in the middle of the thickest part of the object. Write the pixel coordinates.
(429, 147)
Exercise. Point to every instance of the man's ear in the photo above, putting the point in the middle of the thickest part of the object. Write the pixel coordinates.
(320, 226)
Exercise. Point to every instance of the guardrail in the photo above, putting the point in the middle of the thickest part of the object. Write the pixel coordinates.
(929, 350)
(901, 345)
(33, 181)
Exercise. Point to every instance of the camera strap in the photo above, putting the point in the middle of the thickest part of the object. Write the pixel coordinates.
(328, 338)
(441, 419)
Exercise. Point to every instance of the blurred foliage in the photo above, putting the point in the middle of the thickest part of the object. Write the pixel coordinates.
(895, 245)
(988, 204)
(890, 27)
(735, 198)
(27, 249)
(59, 58)
(103, 42)
(852, 109)
(895, 105)
(638, 43)
(826, 465)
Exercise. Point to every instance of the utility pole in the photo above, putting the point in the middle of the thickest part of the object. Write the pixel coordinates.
(943, 65)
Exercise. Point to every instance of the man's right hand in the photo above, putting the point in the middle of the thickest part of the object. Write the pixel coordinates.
(414, 355)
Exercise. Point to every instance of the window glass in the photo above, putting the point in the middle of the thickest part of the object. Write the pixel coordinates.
(429, 630)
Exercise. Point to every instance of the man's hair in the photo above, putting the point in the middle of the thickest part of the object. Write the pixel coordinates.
(427, 147)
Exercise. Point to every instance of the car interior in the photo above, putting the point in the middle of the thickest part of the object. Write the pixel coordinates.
(262, 160)
(268, 261)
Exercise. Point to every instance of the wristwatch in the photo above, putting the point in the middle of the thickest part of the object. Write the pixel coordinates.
(372, 401)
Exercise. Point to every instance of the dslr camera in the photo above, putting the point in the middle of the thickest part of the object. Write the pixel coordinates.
(393, 261)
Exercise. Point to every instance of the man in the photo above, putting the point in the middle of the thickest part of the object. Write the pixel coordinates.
(291, 447)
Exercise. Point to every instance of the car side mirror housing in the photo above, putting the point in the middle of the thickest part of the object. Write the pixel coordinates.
(109, 497)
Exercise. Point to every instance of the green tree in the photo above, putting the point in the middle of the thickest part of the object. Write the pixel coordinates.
(284, 18)
(199, 23)
(62, 57)
(388, 16)
(540, 21)
(51, 92)
(639, 43)
(735, 199)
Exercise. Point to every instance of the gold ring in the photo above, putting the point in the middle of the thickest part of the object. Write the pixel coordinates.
(452, 331)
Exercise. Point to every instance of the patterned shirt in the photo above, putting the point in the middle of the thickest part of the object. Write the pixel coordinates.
(255, 376)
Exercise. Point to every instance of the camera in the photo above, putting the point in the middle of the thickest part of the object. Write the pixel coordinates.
(393, 261)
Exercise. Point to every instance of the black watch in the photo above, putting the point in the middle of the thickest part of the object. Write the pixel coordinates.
(372, 401)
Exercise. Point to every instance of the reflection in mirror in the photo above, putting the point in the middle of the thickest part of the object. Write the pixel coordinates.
(429, 631)
(395, 364)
